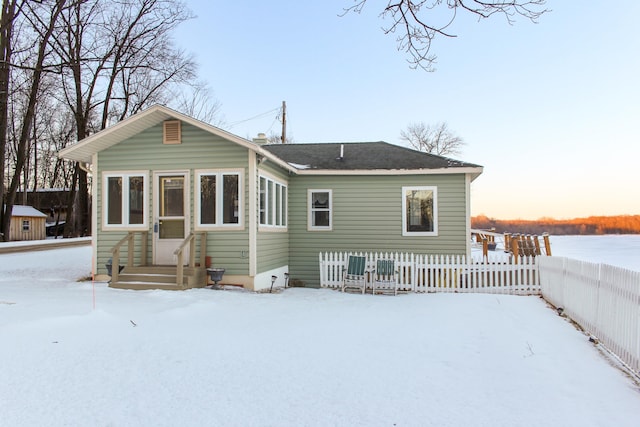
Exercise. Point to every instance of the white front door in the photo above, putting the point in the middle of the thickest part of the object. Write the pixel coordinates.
(171, 216)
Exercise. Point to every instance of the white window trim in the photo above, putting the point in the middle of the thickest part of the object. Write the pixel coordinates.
(284, 215)
(435, 211)
(125, 203)
(219, 225)
(310, 226)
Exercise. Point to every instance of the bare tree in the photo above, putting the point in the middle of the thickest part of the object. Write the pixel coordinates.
(117, 58)
(418, 22)
(77, 66)
(6, 50)
(436, 139)
(198, 101)
(43, 19)
(276, 138)
(56, 131)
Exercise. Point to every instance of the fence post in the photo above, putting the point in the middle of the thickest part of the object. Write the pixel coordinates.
(414, 272)
(547, 244)
(321, 270)
(485, 248)
(515, 249)
(536, 241)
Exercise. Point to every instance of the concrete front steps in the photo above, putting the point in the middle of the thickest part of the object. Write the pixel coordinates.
(159, 277)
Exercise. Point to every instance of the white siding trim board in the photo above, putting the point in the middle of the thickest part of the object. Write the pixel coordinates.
(253, 214)
(474, 172)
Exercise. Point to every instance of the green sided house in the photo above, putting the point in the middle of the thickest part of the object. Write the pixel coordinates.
(171, 193)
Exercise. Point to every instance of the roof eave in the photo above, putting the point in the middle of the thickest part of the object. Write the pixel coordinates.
(276, 160)
(474, 172)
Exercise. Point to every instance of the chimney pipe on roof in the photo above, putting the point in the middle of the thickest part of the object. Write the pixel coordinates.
(261, 139)
(341, 152)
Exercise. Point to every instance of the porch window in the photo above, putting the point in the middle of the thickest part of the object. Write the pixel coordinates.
(219, 201)
(125, 200)
(230, 198)
(320, 210)
(208, 199)
(420, 211)
(273, 203)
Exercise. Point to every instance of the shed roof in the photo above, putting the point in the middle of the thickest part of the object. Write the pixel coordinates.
(366, 156)
(22, 210)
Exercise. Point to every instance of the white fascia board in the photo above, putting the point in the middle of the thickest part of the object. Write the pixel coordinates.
(473, 172)
(84, 150)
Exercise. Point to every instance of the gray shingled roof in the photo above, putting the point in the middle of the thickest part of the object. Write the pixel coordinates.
(360, 156)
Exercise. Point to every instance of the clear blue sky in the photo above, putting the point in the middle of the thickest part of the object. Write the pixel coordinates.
(551, 110)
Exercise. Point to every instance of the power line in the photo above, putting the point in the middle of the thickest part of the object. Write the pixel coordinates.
(254, 117)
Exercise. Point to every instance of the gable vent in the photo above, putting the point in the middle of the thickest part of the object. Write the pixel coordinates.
(171, 132)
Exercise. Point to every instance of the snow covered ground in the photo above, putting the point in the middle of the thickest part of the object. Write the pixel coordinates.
(618, 250)
(77, 354)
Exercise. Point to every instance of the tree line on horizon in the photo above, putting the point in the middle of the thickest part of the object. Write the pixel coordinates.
(593, 225)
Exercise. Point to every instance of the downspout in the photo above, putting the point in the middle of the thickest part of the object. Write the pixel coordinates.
(85, 166)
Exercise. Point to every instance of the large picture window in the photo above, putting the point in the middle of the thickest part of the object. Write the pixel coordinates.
(420, 211)
(218, 199)
(273, 203)
(125, 200)
(320, 210)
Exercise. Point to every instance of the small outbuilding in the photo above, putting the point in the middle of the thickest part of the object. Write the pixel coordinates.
(27, 223)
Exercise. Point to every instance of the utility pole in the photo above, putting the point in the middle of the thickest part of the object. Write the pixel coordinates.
(283, 138)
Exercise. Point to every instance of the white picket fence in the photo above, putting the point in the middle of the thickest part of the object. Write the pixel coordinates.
(604, 300)
(440, 273)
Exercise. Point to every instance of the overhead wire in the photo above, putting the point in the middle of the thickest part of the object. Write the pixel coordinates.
(254, 117)
(276, 119)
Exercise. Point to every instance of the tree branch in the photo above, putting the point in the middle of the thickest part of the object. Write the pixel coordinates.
(417, 21)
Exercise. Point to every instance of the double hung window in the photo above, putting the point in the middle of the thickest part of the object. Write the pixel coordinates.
(273, 203)
(420, 211)
(125, 200)
(320, 209)
(218, 199)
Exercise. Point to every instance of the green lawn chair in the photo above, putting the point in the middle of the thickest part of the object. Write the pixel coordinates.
(354, 276)
(385, 277)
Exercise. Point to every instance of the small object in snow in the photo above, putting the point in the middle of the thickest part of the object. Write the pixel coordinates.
(594, 340)
(133, 323)
(560, 310)
(54, 342)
